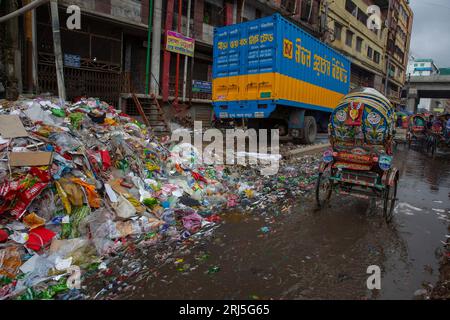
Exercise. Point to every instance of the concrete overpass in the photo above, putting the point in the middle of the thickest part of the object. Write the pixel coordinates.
(433, 87)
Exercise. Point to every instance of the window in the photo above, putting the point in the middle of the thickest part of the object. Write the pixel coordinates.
(359, 42)
(369, 52)
(349, 39)
(362, 17)
(376, 57)
(351, 7)
(392, 71)
(422, 64)
(210, 15)
(337, 31)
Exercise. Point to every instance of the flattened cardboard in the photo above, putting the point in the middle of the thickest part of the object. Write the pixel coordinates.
(11, 127)
(30, 159)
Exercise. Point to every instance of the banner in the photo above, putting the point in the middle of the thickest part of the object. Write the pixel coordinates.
(178, 43)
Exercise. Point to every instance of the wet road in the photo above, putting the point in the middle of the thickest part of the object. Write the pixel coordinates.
(310, 254)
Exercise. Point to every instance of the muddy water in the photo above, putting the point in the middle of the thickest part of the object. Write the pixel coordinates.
(422, 218)
(310, 254)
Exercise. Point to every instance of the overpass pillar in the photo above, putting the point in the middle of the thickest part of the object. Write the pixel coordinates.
(413, 103)
(413, 100)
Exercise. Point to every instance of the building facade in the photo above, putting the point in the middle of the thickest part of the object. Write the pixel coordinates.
(399, 21)
(106, 58)
(348, 22)
(422, 67)
(379, 55)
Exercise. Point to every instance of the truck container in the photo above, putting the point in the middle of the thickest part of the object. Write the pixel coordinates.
(276, 75)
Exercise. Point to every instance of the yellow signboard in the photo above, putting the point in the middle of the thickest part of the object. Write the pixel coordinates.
(179, 43)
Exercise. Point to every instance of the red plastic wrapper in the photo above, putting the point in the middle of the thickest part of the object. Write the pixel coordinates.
(3, 236)
(198, 177)
(43, 175)
(26, 198)
(93, 161)
(106, 159)
(39, 238)
(213, 218)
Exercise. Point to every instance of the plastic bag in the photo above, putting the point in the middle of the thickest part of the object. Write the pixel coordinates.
(124, 209)
(10, 261)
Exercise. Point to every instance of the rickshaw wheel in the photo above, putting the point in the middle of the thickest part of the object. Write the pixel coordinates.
(390, 197)
(324, 187)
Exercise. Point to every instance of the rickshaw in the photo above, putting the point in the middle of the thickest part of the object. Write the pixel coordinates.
(416, 130)
(359, 162)
(438, 137)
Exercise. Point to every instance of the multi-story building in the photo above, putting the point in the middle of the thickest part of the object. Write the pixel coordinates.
(379, 56)
(399, 22)
(422, 67)
(347, 20)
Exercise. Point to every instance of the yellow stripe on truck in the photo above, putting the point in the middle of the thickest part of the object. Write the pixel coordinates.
(250, 87)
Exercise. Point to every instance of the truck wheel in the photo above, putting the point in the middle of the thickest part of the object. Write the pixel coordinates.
(309, 131)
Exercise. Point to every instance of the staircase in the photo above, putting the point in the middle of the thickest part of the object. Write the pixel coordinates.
(152, 114)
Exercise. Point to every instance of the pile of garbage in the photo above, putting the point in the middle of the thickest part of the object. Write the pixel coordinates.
(80, 180)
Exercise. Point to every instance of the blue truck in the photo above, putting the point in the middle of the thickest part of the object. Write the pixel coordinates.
(273, 74)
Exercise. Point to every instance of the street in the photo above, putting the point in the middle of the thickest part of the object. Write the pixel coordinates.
(306, 254)
(224, 150)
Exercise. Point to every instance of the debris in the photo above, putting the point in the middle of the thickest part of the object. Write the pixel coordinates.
(84, 183)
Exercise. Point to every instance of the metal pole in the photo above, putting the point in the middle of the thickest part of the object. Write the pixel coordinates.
(156, 47)
(28, 26)
(35, 52)
(186, 57)
(388, 67)
(22, 10)
(177, 73)
(58, 51)
(149, 38)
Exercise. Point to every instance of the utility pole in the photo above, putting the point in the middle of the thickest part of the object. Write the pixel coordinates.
(156, 47)
(11, 53)
(388, 70)
(149, 38)
(186, 57)
(324, 22)
(388, 62)
(58, 51)
(177, 71)
(29, 61)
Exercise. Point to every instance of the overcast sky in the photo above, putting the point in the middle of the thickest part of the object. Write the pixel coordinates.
(430, 38)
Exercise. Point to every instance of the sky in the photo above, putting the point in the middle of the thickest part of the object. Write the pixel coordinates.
(431, 26)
